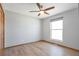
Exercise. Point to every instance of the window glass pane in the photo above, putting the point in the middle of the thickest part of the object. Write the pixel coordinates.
(57, 24)
(57, 34)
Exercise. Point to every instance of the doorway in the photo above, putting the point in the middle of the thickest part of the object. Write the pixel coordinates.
(1, 27)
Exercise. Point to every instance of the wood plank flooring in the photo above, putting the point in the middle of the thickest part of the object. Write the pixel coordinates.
(40, 48)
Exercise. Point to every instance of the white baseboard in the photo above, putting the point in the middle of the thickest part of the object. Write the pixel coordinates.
(21, 43)
(61, 43)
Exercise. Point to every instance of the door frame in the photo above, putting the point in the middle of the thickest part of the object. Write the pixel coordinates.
(3, 17)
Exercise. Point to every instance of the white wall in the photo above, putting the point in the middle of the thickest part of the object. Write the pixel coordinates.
(71, 28)
(20, 29)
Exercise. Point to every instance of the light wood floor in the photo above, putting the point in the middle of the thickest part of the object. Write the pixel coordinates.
(40, 48)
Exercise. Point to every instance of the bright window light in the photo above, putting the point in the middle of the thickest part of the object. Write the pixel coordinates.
(57, 30)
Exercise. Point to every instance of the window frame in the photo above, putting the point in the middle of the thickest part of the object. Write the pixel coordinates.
(56, 29)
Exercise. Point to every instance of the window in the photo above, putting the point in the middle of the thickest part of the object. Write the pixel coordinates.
(57, 30)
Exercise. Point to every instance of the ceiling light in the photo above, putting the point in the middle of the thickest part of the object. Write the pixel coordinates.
(41, 12)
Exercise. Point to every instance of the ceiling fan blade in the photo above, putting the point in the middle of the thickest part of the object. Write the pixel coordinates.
(46, 13)
(34, 11)
(39, 14)
(49, 8)
(39, 6)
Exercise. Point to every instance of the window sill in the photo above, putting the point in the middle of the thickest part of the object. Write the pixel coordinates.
(57, 40)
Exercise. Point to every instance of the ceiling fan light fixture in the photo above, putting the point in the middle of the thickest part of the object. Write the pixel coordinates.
(41, 12)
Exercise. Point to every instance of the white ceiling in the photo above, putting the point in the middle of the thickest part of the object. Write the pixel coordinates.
(24, 8)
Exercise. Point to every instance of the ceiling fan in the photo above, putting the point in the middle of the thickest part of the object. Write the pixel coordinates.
(41, 10)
